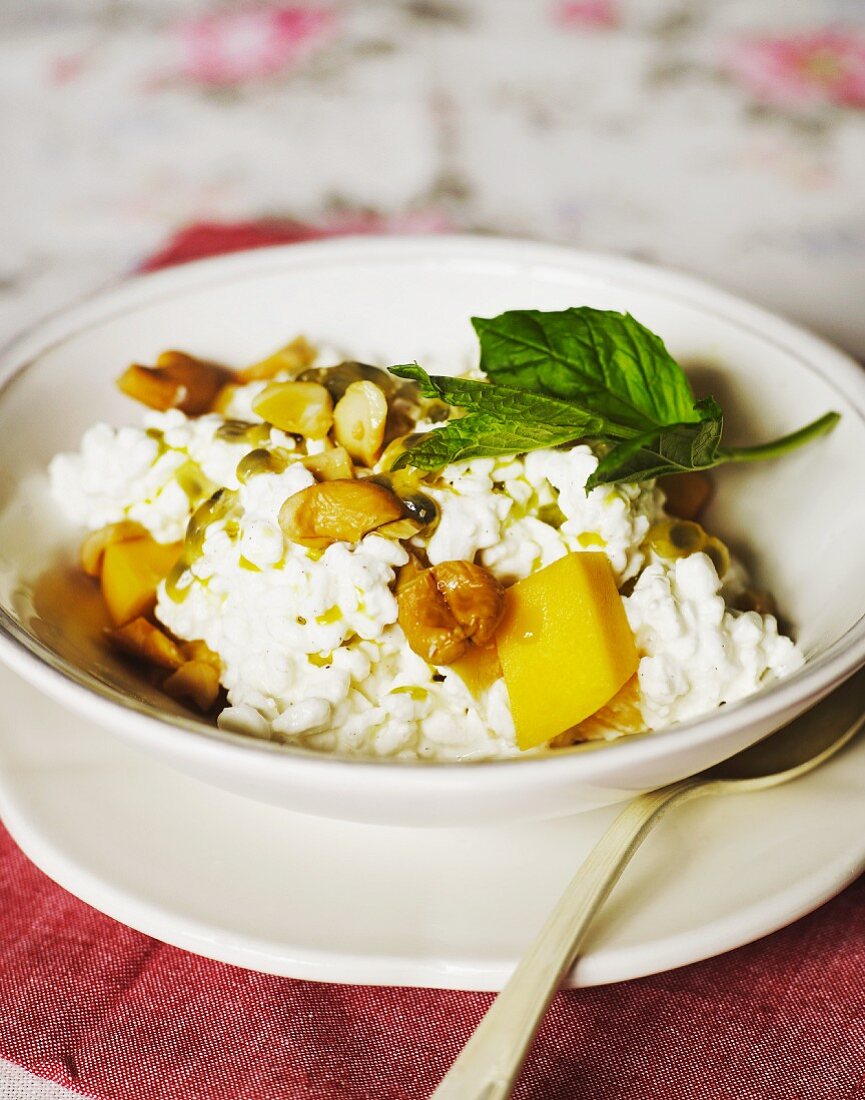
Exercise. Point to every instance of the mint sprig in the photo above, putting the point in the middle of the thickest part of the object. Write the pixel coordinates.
(583, 374)
(499, 420)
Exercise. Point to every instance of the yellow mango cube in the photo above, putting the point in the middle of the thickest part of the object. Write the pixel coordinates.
(131, 572)
(565, 646)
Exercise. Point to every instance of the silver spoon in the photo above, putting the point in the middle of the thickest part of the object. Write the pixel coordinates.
(490, 1062)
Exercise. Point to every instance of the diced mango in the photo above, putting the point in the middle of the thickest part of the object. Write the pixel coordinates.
(131, 572)
(479, 668)
(565, 646)
(146, 642)
(93, 547)
(195, 681)
(623, 714)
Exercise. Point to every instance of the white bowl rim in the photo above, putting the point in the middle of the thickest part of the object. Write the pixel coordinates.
(108, 707)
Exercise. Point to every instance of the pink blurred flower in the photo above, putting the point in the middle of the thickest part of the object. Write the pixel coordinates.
(413, 221)
(802, 70)
(232, 47)
(586, 13)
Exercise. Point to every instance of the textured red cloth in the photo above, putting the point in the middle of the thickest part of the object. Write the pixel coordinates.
(99, 1008)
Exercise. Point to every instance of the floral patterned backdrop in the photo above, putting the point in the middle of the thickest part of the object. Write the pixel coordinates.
(726, 138)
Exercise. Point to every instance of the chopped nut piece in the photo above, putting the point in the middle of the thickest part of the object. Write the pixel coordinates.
(293, 358)
(146, 642)
(474, 596)
(304, 408)
(178, 381)
(150, 387)
(93, 547)
(755, 599)
(333, 465)
(443, 609)
(687, 494)
(337, 511)
(430, 628)
(197, 681)
(359, 420)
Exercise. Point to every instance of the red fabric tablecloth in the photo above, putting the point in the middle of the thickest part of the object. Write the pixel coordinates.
(99, 1008)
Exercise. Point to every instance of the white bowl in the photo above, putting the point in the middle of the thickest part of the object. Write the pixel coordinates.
(798, 521)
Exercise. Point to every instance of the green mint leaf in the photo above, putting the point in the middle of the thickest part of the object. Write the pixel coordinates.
(676, 449)
(583, 374)
(607, 361)
(499, 420)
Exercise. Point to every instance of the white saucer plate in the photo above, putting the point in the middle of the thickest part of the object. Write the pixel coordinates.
(304, 897)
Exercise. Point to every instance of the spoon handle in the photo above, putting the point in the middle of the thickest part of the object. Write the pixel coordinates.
(488, 1065)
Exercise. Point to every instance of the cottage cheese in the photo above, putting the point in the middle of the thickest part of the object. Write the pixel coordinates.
(309, 644)
(697, 653)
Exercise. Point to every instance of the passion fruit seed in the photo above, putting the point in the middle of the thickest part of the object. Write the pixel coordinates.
(680, 538)
(261, 461)
(243, 431)
(338, 378)
(216, 508)
(719, 555)
(686, 536)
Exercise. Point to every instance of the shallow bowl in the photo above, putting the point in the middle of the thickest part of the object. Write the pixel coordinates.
(798, 522)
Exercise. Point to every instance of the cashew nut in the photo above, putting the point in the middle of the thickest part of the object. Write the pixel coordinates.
(359, 421)
(337, 511)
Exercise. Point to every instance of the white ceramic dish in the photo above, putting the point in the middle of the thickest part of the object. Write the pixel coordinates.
(451, 908)
(799, 521)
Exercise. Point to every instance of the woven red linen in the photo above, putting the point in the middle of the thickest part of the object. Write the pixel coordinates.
(99, 1008)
